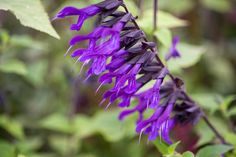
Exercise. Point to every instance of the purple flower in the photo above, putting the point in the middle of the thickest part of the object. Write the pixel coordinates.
(159, 124)
(83, 14)
(100, 48)
(173, 52)
(140, 108)
(119, 49)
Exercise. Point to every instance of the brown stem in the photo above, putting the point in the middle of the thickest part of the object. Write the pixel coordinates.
(155, 15)
(218, 135)
(141, 7)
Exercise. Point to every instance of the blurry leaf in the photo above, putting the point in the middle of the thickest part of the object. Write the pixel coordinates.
(232, 112)
(4, 38)
(37, 71)
(56, 122)
(20, 155)
(213, 151)
(132, 7)
(207, 100)
(176, 6)
(218, 122)
(108, 125)
(105, 123)
(217, 5)
(64, 144)
(206, 135)
(12, 127)
(165, 20)
(161, 146)
(86, 155)
(7, 150)
(59, 143)
(164, 36)
(171, 148)
(226, 102)
(190, 55)
(175, 155)
(231, 138)
(31, 14)
(83, 126)
(188, 154)
(27, 41)
(42, 155)
(13, 66)
(29, 145)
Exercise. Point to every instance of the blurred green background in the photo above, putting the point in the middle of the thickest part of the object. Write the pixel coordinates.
(46, 110)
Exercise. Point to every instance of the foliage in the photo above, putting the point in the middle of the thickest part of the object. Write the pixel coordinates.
(48, 111)
(31, 14)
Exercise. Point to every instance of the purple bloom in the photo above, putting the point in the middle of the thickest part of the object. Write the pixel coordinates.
(83, 14)
(118, 49)
(173, 52)
(159, 124)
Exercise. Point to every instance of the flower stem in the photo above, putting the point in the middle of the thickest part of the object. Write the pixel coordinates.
(155, 9)
(205, 118)
(218, 135)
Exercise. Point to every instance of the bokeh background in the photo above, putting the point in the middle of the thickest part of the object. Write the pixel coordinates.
(47, 110)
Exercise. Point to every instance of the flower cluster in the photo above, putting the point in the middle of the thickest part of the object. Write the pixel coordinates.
(119, 53)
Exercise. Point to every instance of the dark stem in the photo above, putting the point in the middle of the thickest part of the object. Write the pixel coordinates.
(207, 121)
(218, 135)
(155, 9)
(141, 7)
(173, 78)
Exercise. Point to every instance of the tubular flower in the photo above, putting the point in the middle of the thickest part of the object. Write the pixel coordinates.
(173, 52)
(118, 52)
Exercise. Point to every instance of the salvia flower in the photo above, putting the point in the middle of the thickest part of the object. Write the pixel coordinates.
(173, 52)
(119, 53)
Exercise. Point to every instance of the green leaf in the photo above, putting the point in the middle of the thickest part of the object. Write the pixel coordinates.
(7, 150)
(29, 145)
(226, 103)
(171, 148)
(231, 112)
(206, 135)
(27, 41)
(164, 36)
(4, 38)
(105, 123)
(188, 154)
(230, 138)
(56, 122)
(190, 55)
(31, 14)
(217, 5)
(132, 7)
(108, 125)
(213, 151)
(176, 6)
(161, 146)
(12, 127)
(61, 144)
(13, 66)
(207, 100)
(82, 129)
(165, 20)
